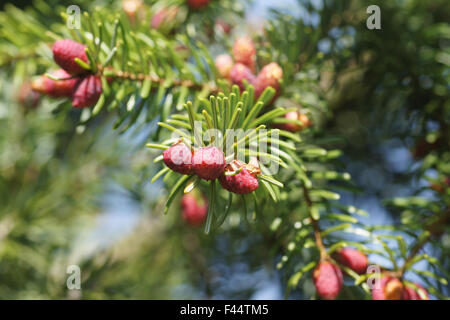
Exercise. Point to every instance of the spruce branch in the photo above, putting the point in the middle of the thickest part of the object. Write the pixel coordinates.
(223, 112)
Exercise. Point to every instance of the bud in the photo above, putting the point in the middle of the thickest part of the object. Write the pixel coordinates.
(389, 289)
(328, 280)
(179, 158)
(294, 127)
(244, 182)
(224, 64)
(270, 75)
(354, 259)
(64, 53)
(164, 16)
(222, 25)
(208, 162)
(244, 52)
(27, 97)
(55, 88)
(413, 294)
(197, 4)
(87, 92)
(239, 72)
(194, 209)
(132, 9)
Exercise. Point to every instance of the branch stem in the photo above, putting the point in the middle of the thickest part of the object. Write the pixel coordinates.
(125, 75)
(315, 225)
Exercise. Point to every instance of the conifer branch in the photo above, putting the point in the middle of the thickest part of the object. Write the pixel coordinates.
(125, 75)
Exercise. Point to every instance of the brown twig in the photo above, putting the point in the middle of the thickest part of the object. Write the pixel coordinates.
(315, 224)
(155, 79)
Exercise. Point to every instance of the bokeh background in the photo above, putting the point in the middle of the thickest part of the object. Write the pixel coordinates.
(82, 196)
